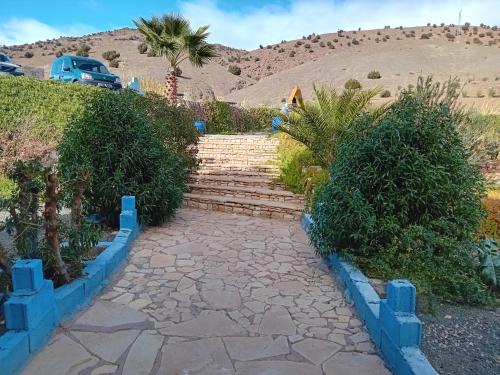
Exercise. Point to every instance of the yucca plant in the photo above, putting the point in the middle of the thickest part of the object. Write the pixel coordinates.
(322, 124)
(171, 36)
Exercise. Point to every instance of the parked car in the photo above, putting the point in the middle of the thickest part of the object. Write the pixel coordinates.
(76, 69)
(8, 67)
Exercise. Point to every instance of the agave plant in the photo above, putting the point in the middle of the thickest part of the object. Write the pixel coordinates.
(171, 36)
(324, 123)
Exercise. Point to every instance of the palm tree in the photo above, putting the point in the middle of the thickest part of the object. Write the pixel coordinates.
(171, 36)
(324, 123)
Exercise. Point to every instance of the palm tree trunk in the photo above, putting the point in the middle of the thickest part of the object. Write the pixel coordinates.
(171, 86)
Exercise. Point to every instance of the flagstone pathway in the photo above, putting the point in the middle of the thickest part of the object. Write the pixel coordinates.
(214, 293)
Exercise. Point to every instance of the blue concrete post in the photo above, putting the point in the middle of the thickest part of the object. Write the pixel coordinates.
(401, 296)
(31, 307)
(400, 327)
(128, 216)
(276, 123)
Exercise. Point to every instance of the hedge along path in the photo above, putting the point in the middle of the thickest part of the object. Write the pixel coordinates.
(44, 107)
(216, 293)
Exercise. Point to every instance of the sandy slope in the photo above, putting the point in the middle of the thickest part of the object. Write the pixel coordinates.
(269, 73)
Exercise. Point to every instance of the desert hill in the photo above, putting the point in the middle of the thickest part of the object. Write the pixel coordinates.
(268, 73)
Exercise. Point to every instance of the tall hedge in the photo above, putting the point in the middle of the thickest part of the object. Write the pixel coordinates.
(44, 106)
(404, 202)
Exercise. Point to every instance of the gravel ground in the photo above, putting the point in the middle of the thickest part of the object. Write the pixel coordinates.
(462, 340)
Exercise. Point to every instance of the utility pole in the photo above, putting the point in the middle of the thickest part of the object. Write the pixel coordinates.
(460, 17)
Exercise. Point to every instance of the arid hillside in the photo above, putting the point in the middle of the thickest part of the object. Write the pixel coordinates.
(472, 53)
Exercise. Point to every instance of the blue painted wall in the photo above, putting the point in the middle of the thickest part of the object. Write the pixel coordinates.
(35, 308)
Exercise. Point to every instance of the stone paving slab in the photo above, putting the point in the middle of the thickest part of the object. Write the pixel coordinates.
(213, 293)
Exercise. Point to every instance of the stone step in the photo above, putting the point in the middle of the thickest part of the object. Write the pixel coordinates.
(248, 138)
(235, 161)
(236, 173)
(255, 167)
(239, 153)
(250, 192)
(265, 181)
(245, 206)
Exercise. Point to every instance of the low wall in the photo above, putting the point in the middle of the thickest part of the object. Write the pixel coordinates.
(35, 308)
(392, 324)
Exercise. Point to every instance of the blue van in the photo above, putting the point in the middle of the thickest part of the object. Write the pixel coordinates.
(77, 69)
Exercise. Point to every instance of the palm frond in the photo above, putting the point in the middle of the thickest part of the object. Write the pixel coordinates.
(324, 123)
(171, 36)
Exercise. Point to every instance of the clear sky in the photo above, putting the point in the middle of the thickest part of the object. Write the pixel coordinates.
(237, 23)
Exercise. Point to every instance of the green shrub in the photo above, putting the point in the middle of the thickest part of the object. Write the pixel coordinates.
(219, 118)
(7, 187)
(51, 105)
(174, 125)
(352, 84)
(223, 118)
(374, 74)
(114, 63)
(481, 136)
(110, 55)
(142, 48)
(83, 50)
(114, 141)
(404, 202)
(385, 94)
(259, 118)
(234, 69)
(293, 157)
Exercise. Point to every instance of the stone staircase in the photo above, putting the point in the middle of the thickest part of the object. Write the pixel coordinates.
(236, 174)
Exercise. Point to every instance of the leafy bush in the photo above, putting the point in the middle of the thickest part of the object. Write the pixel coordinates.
(219, 117)
(28, 54)
(352, 84)
(385, 94)
(115, 143)
(404, 202)
(110, 55)
(374, 74)
(223, 118)
(234, 69)
(174, 126)
(293, 157)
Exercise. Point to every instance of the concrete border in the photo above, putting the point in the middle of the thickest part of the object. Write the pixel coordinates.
(35, 308)
(392, 324)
